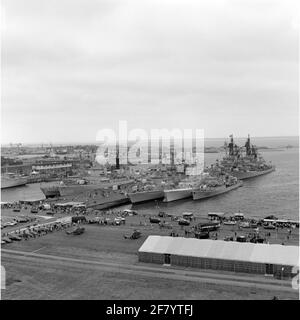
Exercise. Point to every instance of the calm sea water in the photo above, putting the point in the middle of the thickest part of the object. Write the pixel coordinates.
(276, 193)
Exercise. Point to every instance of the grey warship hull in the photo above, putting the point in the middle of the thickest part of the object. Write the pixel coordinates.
(243, 175)
(143, 196)
(200, 194)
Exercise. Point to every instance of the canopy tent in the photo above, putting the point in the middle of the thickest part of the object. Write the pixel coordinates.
(187, 214)
(6, 202)
(239, 214)
(71, 204)
(32, 200)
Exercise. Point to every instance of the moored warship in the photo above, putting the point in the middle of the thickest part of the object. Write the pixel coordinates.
(208, 181)
(63, 190)
(75, 188)
(243, 166)
(90, 183)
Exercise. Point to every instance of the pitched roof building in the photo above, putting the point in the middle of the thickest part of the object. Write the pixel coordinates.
(278, 260)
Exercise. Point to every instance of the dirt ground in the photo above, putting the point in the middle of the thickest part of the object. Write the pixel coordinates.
(36, 280)
(43, 279)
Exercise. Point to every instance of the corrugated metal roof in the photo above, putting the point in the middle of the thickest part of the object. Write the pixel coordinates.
(226, 250)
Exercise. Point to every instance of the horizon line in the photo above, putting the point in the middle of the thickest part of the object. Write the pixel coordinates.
(95, 142)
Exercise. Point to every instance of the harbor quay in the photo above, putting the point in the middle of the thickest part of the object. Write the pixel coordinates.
(107, 250)
(150, 151)
(184, 225)
(123, 224)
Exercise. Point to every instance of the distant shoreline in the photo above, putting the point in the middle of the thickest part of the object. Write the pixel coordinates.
(72, 143)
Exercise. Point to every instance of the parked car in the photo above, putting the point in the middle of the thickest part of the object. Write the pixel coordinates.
(21, 219)
(241, 239)
(269, 227)
(162, 214)
(229, 222)
(10, 223)
(154, 220)
(119, 220)
(245, 225)
(14, 237)
(183, 222)
(202, 235)
(6, 240)
(188, 215)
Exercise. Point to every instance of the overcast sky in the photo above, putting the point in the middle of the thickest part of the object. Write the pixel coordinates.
(72, 67)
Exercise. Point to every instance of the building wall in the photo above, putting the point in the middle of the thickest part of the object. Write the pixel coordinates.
(217, 264)
(287, 271)
(151, 257)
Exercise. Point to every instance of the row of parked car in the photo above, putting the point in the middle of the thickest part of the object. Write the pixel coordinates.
(185, 220)
(33, 231)
(17, 220)
(108, 221)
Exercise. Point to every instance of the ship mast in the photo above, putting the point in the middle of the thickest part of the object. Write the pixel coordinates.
(226, 148)
(231, 145)
(248, 146)
(117, 155)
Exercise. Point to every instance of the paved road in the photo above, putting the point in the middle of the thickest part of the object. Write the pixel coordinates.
(251, 282)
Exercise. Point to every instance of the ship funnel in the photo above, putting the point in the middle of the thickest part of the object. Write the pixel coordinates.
(160, 151)
(149, 150)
